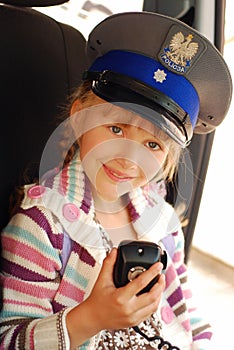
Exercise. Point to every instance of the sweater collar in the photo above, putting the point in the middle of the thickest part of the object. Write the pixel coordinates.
(72, 183)
(69, 188)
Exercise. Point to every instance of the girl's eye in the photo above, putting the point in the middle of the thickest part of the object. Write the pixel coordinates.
(116, 130)
(153, 145)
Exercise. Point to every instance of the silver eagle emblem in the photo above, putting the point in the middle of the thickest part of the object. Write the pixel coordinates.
(181, 49)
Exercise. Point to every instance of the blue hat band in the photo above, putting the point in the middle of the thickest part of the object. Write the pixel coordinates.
(143, 68)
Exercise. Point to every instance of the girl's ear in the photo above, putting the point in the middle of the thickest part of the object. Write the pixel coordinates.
(76, 106)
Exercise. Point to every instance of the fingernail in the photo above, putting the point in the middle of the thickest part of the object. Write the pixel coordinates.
(160, 266)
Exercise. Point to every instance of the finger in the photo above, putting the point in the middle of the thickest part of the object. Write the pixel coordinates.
(160, 285)
(146, 307)
(111, 257)
(156, 290)
(106, 273)
(151, 299)
(144, 279)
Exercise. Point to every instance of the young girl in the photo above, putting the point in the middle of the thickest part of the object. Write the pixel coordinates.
(129, 120)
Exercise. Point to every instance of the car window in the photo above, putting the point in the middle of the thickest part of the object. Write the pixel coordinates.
(216, 209)
(84, 15)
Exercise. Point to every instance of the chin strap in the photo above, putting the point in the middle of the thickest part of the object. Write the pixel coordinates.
(156, 337)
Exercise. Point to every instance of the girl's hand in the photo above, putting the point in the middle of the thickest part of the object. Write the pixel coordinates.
(109, 307)
(115, 308)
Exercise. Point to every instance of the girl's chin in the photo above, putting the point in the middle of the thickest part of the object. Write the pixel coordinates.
(110, 202)
(113, 195)
(111, 192)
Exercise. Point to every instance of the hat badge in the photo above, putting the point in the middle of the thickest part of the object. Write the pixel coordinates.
(160, 76)
(180, 52)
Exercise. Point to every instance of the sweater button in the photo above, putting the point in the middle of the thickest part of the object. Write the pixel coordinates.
(36, 191)
(167, 314)
(70, 212)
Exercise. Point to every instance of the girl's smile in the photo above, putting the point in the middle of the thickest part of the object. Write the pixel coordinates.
(116, 175)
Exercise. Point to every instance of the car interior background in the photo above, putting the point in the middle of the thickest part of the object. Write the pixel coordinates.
(41, 63)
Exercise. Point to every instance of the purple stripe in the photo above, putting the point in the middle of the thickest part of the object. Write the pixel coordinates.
(175, 297)
(22, 272)
(86, 202)
(40, 219)
(12, 344)
(83, 254)
(134, 215)
(49, 176)
(85, 207)
(49, 182)
(57, 306)
(205, 335)
(182, 269)
(175, 234)
(56, 240)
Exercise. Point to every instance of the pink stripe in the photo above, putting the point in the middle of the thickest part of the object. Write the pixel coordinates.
(170, 275)
(63, 181)
(31, 338)
(186, 325)
(69, 290)
(15, 302)
(29, 289)
(25, 251)
(177, 257)
(187, 294)
(192, 309)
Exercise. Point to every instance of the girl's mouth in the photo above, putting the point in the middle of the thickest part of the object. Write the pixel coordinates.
(116, 175)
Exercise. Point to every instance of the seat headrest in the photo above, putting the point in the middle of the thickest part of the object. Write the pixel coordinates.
(33, 3)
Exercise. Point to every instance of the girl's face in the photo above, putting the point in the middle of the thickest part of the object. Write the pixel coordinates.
(118, 156)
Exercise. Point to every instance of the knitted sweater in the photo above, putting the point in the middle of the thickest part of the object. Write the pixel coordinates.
(52, 257)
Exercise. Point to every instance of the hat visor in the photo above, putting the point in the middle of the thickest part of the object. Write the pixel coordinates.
(136, 98)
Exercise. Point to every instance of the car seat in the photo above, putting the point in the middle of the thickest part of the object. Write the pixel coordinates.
(41, 63)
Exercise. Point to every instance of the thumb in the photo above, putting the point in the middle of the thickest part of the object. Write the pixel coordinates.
(106, 272)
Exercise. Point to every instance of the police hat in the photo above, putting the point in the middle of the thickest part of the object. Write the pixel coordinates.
(165, 70)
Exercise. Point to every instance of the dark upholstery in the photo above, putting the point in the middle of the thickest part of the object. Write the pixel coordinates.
(41, 62)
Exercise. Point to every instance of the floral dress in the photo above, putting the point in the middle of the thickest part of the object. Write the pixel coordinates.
(129, 339)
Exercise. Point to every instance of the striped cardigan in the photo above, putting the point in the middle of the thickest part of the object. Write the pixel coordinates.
(50, 264)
